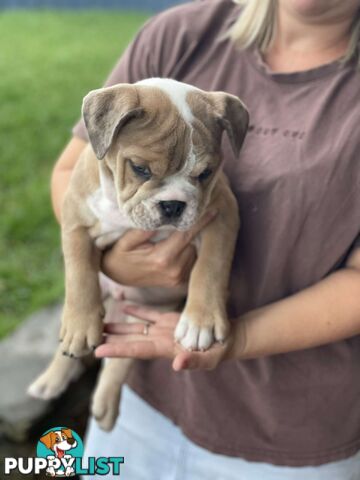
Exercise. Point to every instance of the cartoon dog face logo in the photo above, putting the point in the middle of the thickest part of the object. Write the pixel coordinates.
(60, 441)
(62, 448)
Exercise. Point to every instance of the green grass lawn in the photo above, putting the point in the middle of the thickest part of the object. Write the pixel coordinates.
(48, 62)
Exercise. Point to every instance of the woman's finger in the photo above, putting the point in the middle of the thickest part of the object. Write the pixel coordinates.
(131, 337)
(142, 349)
(145, 329)
(150, 315)
(187, 361)
(177, 241)
(198, 360)
(126, 328)
(133, 239)
(143, 313)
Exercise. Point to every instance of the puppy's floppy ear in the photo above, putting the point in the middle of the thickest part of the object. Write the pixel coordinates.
(67, 432)
(232, 116)
(106, 111)
(48, 440)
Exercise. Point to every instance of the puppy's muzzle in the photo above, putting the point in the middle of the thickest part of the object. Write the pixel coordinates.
(171, 209)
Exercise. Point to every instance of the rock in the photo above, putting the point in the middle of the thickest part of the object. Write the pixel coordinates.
(25, 354)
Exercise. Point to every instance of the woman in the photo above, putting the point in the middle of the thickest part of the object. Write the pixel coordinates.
(284, 404)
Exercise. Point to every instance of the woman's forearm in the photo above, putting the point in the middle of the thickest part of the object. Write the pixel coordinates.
(326, 312)
(59, 184)
(62, 172)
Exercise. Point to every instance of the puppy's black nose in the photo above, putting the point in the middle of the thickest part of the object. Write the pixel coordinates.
(172, 208)
(71, 440)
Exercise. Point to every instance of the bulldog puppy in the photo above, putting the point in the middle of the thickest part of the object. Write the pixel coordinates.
(153, 163)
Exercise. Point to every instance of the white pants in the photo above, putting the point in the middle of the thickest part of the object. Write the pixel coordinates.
(155, 449)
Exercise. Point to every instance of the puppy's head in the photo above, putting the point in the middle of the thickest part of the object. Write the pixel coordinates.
(59, 441)
(160, 142)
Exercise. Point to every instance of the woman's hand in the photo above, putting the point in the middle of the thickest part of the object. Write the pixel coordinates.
(155, 339)
(135, 261)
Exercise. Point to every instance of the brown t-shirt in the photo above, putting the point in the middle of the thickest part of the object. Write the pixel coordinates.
(297, 181)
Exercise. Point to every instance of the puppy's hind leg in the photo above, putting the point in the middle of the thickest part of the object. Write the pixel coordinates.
(105, 404)
(57, 377)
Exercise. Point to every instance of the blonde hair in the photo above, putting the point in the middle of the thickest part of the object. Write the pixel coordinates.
(256, 27)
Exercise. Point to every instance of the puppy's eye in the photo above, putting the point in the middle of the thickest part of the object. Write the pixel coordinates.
(140, 170)
(57, 440)
(205, 174)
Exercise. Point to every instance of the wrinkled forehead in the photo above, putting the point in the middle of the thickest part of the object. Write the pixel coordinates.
(175, 126)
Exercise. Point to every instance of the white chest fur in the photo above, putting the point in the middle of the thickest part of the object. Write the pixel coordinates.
(112, 222)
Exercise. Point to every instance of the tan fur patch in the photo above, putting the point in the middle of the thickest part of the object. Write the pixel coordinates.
(159, 140)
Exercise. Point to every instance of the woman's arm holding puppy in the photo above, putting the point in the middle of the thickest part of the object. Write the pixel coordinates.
(326, 312)
(62, 172)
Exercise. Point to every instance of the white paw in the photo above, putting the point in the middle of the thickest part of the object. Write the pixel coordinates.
(105, 407)
(195, 334)
(49, 386)
(192, 335)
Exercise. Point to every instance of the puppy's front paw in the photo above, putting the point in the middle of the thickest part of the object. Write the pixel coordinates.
(80, 336)
(198, 331)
